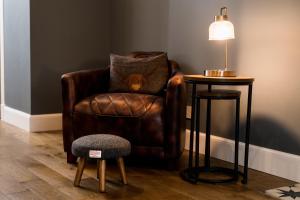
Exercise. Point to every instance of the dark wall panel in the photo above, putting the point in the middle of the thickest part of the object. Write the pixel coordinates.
(66, 36)
(139, 25)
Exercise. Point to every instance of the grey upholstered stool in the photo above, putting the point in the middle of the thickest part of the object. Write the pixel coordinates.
(101, 147)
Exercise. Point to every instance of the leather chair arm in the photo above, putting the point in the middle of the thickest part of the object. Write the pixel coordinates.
(175, 116)
(81, 84)
(75, 87)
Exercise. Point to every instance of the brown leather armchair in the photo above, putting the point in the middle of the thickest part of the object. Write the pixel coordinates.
(154, 124)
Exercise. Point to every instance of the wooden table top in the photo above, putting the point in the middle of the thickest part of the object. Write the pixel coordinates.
(215, 80)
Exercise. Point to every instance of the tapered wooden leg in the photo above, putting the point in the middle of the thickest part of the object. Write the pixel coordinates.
(80, 168)
(101, 172)
(122, 170)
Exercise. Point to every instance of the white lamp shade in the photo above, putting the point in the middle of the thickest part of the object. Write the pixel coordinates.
(221, 30)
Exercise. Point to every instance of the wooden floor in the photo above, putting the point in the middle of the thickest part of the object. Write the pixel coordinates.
(33, 166)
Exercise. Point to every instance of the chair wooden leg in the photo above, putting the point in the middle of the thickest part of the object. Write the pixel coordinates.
(80, 168)
(122, 170)
(98, 163)
(71, 159)
(101, 172)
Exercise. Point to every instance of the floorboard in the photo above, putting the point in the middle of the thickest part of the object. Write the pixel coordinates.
(33, 166)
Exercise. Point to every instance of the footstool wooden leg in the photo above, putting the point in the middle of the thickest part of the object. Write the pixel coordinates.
(122, 170)
(80, 168)
(101, 172)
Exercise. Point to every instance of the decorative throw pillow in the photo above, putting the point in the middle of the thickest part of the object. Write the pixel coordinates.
(138, 75)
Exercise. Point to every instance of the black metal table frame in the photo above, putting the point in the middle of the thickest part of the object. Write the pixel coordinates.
(248, 118)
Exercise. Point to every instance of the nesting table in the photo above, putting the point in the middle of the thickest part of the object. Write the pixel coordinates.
(194, 80)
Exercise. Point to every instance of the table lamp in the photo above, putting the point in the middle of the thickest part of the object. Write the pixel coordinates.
(221, 29)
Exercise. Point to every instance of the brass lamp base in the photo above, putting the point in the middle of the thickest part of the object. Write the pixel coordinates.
(219, 73)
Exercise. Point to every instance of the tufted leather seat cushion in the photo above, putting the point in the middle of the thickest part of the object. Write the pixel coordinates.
(118, 104)
(137, 117)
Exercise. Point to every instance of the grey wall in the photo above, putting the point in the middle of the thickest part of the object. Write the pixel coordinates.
(139, 25)
(65, 36)
(17, 54)
(266, 46)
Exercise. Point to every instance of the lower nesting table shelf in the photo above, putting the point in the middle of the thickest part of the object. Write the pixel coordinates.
(196, 175)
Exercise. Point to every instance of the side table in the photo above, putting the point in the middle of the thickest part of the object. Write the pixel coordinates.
(195, 80)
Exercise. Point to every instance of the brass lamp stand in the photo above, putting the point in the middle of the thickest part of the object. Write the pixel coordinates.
(221, 29)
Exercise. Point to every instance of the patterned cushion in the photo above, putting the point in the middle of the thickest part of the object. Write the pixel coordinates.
(111, 146)
(138, 75)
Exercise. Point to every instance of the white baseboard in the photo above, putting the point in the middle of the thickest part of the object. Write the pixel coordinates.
(15, 117)
(46, 122)
(31, 123)
(270, 161)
